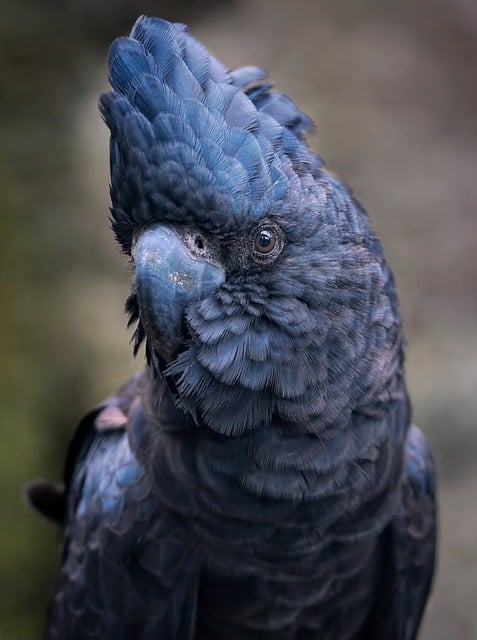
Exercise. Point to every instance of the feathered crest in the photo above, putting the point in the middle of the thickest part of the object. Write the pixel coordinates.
(192, 142)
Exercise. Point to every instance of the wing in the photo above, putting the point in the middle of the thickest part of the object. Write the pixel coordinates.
(409, 545)
(126, 571)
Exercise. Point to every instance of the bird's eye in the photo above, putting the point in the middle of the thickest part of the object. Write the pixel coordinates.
(267, 242)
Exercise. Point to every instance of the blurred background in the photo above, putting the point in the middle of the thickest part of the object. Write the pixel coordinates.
(393, 90)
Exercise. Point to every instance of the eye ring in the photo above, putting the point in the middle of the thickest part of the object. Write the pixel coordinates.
(267, 242)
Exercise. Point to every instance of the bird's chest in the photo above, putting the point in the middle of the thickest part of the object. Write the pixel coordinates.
(325, 593)
(268, 567)
(276, 562)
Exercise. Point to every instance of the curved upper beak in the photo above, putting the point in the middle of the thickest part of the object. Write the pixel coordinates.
(173, 268)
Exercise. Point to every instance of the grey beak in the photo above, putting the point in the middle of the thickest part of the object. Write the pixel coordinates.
(171, 272)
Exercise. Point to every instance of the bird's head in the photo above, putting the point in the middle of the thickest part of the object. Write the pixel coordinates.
(260, 288)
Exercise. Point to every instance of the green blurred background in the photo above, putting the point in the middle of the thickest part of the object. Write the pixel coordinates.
(393, 89)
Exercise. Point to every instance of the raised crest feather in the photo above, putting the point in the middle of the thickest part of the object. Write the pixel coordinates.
(162, 75)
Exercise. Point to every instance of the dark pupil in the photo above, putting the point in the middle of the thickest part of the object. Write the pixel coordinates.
(265, 241)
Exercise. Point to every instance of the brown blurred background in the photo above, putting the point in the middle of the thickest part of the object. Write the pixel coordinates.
(393, 89)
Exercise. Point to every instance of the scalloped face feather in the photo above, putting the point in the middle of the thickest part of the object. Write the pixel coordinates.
(192, 142)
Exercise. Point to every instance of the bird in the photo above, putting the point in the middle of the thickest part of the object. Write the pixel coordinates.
(261, 476)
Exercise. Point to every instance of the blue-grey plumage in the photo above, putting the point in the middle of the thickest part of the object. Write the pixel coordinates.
(260, 479)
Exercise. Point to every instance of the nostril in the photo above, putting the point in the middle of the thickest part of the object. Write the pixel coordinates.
(199, 242)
